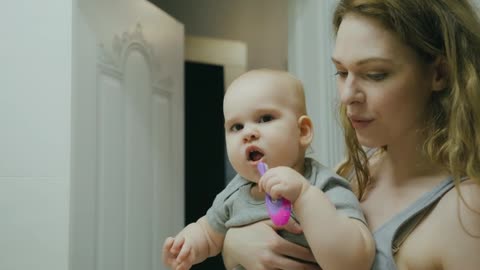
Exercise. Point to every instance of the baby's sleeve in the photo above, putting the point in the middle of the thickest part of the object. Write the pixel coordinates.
(219, 213)
(340, 194)
(346, 202)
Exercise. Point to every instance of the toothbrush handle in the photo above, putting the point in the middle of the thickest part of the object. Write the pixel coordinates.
(278, 210)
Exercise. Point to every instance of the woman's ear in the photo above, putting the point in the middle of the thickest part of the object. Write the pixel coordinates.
(440, 74)
(306, 130)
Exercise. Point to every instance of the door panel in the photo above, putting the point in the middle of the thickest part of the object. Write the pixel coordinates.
(128, 180)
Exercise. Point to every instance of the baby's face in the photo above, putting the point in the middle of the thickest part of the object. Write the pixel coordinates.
(261, 124)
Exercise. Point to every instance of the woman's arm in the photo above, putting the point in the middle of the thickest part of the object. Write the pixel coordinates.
(259, 247)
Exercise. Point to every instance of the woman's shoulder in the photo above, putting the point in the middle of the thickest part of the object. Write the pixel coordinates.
(461, 206)
(458, 217)
(449, 237)
(463, 203)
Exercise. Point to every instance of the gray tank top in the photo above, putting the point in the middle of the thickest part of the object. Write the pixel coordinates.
(391, 234)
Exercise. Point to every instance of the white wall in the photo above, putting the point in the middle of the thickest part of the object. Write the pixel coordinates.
(262, 25)
(35, 78)
(310, 48)
(232, 55)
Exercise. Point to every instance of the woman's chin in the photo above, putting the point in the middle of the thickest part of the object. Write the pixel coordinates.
(369, 142)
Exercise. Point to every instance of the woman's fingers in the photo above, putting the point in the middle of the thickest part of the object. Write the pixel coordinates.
(290, 249)
(280, 252)
(292, 226)
(287, 248)
(289, 264)
(267, 250)
(272, 260)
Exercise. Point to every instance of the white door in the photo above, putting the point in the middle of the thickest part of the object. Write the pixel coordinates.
(127, 134)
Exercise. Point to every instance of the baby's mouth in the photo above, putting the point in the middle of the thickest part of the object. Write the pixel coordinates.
(254, 154)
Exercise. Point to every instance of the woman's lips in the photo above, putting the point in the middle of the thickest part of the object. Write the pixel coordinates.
(359, 123)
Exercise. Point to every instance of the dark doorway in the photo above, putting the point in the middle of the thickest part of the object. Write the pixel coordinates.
(204, 144)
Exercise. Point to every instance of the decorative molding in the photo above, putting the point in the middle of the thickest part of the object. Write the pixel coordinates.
(111, 60)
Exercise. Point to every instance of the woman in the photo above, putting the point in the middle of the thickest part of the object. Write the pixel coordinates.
(408, 81)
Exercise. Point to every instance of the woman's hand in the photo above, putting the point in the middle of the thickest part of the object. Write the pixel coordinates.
(259, 247)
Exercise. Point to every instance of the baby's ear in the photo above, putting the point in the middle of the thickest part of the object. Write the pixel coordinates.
(306, 130)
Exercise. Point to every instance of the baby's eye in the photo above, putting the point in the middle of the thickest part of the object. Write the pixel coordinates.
(377, 76)
(265, 118)
(236, 127)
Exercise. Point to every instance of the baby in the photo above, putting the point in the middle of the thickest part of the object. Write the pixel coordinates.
(266, 121)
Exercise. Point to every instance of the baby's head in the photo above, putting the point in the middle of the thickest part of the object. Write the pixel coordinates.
(266, 119)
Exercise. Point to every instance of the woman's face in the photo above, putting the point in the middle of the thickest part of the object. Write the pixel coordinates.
(381, 82)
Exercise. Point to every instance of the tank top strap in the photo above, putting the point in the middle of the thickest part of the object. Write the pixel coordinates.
(410, 224)
(420, 209)
(390, 236)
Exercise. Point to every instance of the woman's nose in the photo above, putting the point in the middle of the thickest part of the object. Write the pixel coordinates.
(250, 134)
(350, 92)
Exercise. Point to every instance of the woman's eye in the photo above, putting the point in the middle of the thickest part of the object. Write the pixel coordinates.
(341, 74)
(236, 127)
(265, 118)
(376, 76)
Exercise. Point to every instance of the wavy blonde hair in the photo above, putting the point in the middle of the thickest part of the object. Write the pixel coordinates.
(433, 28)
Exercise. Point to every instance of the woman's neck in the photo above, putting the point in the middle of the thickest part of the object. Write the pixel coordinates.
(404, 162)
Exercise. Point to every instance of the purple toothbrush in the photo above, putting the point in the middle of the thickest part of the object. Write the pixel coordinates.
(278, 210)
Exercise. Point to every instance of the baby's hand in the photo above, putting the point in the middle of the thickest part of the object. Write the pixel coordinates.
(283, 182)
(177, 253)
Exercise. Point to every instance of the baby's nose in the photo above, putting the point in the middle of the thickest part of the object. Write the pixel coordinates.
(250, 134)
